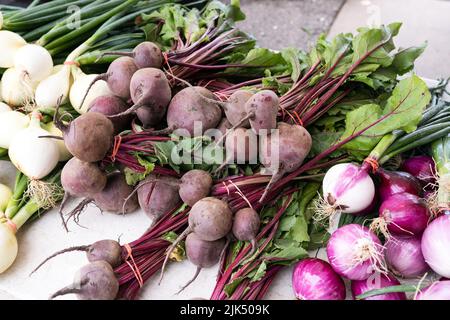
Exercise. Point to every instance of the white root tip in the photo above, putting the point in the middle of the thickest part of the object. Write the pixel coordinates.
(379, 225)
(323, 211)
(365, 250)
(45, 194)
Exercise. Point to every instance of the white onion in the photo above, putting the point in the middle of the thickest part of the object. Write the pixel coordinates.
(52, 88)
(5, 195)
(79, 88)
(8, 247)
(35, 157)
(35, 61)
(11, 123)
(342, 182)
(436, 245)
(10, 42)
(17, 89)
(64, 154)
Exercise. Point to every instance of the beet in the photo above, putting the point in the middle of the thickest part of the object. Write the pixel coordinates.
(117, 77)
(203, 254)
(103, 250)
(95, 281)
(157, 195)
(235, 108)
(146, 55)
(150, 117)
(82, 179)
(111, 105)
(210, 219)
(291, 146)
(223, 126)
(246, 226)
(262, 110)
(115, 197)
(193, 105)
(88, 137)
(195, 185)
(149, 87)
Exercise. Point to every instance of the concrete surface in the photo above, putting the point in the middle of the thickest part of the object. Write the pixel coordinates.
(423, 20)
(278, 24)
(6, 296)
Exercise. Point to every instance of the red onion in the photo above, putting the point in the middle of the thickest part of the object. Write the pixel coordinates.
(436, 245)
(404, 257)
(439, 290)
(393, 182)
(355, 252)
(342, 182)
(421, 167)
(377, 281)
(404, 214)
(315, 279)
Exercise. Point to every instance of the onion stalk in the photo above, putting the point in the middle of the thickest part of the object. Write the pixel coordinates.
(5, 195)
(441, 155)
(29, 200)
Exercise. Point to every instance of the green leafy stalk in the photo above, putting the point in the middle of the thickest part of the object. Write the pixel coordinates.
(392, 289)
(405, 108)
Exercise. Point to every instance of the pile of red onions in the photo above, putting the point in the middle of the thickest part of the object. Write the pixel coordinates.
(315, 279)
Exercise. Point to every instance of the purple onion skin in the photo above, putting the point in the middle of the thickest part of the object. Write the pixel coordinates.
(405, 214)
(377, 281)
(421, 167)
(404, 257)
(315, 279)
(439, 290)
(436, 245)
(393, 182)
(346, 244)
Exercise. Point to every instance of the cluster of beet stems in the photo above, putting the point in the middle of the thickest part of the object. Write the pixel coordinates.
(144, 257)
